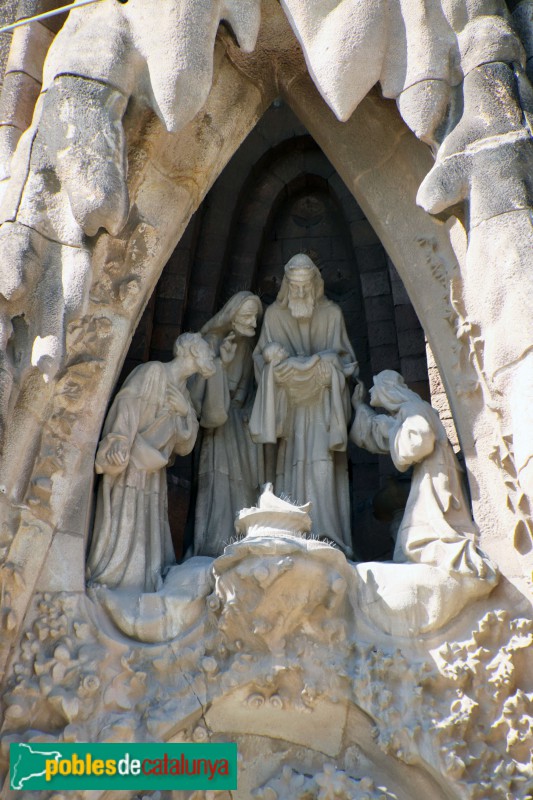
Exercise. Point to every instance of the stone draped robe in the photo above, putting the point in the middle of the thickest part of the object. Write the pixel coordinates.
(230, 468)
(132, 542)
(307, 419)
(436, 528)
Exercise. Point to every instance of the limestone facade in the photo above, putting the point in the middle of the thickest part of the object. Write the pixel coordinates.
(403, 128)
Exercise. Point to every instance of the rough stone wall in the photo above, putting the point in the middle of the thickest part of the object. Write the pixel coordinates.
(7, 14)
(439, 399)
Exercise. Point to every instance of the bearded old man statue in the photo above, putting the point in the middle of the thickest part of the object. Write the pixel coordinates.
(230, 471)
(303, 359)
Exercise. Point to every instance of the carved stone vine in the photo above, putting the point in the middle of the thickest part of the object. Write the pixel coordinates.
(461, 706)
(468, 357)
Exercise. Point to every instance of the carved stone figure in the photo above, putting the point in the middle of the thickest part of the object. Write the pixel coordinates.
(302, 401)
(151, 420)
(230, 469)
(437, 527)
(336, 679)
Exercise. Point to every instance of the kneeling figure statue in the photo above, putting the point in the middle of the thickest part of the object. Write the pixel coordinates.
(436, 527)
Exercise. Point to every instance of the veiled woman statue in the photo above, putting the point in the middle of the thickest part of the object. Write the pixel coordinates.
(437, 528)
(230, 468)
(151, 420)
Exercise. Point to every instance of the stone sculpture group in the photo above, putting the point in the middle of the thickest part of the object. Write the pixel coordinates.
(405, 674)
(288, 428)
(302, 408)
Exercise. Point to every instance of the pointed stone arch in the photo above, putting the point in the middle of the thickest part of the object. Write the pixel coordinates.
(383, 165)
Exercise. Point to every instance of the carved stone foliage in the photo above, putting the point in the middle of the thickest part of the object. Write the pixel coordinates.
(452, 308)
(275, 649)
(477, 679)
(470, 375)
(86, 338)
(329, 784)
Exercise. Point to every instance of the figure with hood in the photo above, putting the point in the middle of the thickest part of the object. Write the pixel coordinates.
(436, 528)
(230, 463)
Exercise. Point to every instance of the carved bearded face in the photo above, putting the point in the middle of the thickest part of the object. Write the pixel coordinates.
(301, 298)
(245, 320)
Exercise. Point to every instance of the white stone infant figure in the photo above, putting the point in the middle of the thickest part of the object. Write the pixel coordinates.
(274, 353)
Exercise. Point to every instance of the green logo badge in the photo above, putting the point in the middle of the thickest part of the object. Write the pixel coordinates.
(37, 766)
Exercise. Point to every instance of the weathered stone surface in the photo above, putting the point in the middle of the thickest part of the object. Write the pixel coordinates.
(170, 66)
(63, 570)
(423, 106)
(430, 701)
(488, 40)
(7, 15)
(9, 136)
(523, 20)
(19, 94)
(28, 50)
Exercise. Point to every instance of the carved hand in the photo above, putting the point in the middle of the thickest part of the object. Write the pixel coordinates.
(118, 454)
(176, 401)
(358, 395)
(228, 349)
(185, 424)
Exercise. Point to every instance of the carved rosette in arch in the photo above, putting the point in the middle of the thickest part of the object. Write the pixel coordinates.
(90, 221)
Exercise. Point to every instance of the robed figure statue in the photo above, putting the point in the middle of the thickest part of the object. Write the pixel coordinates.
(230, 470)
(303, 361)
(151, 420)
(437, 526)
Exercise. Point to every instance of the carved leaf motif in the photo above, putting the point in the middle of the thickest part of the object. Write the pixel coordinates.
(82, 630)
(10, 619)
(116, 695)
(68, 706)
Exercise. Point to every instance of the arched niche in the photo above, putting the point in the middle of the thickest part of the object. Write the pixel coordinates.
(279, 195)
(381, 163)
